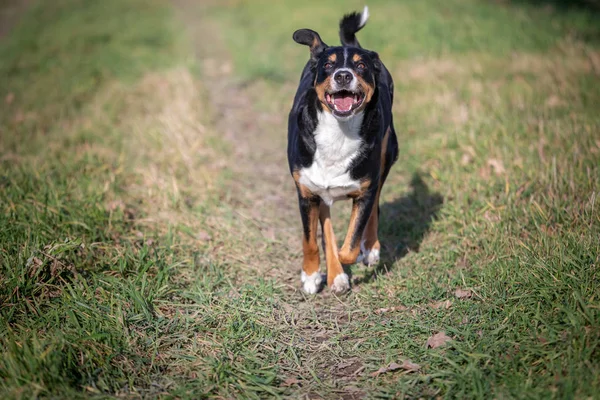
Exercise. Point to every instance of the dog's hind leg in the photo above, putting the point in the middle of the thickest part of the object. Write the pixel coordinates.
(362, 205)
(370, 246)
(337, 279)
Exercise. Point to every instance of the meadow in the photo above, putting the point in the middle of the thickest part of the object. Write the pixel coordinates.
(150, 244)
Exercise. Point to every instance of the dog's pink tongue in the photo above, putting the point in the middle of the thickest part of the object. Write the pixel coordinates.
(343, 102)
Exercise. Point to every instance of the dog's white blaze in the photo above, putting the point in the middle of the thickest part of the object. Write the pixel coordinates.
(338, 143)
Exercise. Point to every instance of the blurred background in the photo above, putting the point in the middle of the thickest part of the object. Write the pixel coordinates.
(149, 234)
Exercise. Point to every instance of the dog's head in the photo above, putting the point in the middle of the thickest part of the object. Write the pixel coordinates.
(345, 77)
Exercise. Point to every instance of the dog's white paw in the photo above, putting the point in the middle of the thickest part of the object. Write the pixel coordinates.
(368, 257)
(312, 282)
(341, 283)
(371, 257)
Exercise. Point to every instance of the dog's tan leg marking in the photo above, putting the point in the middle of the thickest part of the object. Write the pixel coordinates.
(348, 254)
(337, 280)
(310, 247)
(310, 277)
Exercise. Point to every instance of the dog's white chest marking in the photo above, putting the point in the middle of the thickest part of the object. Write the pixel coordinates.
(338, 144)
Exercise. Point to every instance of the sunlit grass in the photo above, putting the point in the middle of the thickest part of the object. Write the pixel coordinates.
(126, 266)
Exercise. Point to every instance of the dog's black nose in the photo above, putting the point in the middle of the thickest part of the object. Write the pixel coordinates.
(343, 77)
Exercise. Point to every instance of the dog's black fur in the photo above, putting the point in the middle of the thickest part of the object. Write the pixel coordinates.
(372, 98)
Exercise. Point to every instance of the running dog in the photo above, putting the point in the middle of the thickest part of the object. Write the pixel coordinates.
(341, 145)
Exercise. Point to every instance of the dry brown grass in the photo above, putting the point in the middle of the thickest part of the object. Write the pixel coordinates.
(457, 89)
(174, 169)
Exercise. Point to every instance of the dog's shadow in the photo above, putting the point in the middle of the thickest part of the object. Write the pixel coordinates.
(403, 223)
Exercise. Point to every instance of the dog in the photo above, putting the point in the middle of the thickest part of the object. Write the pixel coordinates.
(341, 145)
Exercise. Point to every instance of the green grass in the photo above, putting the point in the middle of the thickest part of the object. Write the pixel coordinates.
(400, 30)
(131, 265)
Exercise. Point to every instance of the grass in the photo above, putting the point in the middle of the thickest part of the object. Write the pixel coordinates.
(135, 260)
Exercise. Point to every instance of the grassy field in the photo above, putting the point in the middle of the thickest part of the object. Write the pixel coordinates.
(149, 238)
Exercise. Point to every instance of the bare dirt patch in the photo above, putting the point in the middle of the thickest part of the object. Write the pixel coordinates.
(257, 224)
(262, 229)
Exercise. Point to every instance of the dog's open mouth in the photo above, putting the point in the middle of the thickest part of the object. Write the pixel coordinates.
(344, 102)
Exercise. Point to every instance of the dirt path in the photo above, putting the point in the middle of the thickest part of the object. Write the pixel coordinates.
(260, 191)
(266, 236)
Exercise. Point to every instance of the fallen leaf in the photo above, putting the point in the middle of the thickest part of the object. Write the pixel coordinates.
(553, 101)
(344, 364)
(496, 165)
(203, 236)
(406, 365)
(350, 367)
(410, 366)
(34, 264)
(521, 189)
(269, 233)
(484, 173)
(463, 262)
(548, 230)
(461, 114)
(290, 381)
(129, 213)
(446, 304)
(9, 98)
(437, 340)
(390, 309)
(463, 294)
(226, 68)
(115, 204)
(540, 149)
(19, 117)
(466, 159)
(491, 217)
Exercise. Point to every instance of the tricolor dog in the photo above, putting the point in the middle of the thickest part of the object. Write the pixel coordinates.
(341, 145)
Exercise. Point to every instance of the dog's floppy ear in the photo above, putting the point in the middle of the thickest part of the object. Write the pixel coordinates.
(376, 61)
(311, 39)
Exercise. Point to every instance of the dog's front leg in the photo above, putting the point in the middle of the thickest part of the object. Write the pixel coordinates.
(362, 206)
(337, 280)
(309, 212)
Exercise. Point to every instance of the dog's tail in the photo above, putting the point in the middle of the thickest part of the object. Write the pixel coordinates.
(350, 24)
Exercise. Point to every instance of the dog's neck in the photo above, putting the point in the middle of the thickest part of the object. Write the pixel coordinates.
(336, 127)
(338, 141)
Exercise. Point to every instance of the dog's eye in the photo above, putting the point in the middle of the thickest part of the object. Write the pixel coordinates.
(328, 65)
(361, 66)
